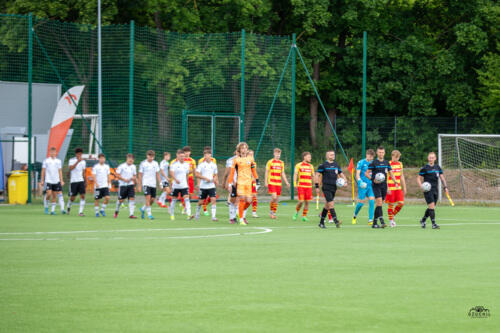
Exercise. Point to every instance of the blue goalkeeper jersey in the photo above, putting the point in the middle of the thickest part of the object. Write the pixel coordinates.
(363, 167)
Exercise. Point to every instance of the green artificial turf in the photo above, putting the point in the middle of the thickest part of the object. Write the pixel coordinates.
(270, 276)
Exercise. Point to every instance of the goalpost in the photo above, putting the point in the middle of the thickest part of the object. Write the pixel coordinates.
(471, 163)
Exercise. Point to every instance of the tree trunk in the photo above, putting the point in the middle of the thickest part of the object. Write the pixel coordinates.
(164, 121)
(328, 130)
(313, 109)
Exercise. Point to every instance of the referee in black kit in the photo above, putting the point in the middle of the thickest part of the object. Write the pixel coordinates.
(329, 171)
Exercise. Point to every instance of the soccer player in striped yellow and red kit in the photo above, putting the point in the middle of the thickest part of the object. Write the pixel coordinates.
(303, 180)
(275, 171)
(396, 192)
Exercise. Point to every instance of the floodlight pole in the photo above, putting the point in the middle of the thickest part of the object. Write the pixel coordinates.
(242, 102)
(30, 101)
(99, 72)
(363, 131)
(292, 145)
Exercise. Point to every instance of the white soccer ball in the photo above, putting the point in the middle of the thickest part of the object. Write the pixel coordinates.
(426, 186)
(363, 185)
(379, 178)
(340, 182)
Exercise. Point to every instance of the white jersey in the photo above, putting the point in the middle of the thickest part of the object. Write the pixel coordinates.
(52, 167)
(101, 173)
(126, 171)
(76, 175)
(208, 170)
(229, 164)
(164, 166)
(149, 170)
(181, 171)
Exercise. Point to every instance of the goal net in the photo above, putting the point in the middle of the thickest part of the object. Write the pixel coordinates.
(471, 164)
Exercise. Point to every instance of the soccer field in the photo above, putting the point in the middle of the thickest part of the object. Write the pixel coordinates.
(67, 273)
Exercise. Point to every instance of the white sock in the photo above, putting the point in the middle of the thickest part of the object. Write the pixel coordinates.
(188, 206)
(69, 203)
(45, 202)
(82, 206)
(231, 210)
(53, 208)
(143, 207)
(162, 198)
(96, 208)
(214, 210)
(131, 207)
(198, 208)
(61, 200)
(118, 204)
(172, 207)
(148, 210)
(103, 206)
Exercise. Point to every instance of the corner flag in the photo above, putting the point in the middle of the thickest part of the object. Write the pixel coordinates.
(351, 170)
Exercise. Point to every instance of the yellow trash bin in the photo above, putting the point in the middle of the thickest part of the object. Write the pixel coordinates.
(18, 187)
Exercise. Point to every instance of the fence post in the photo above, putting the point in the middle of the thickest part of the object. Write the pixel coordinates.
(395, 131)
(242, 106)
(456, 125)
(363, 131)
(292, 145)
(30, 99)
(131, 90)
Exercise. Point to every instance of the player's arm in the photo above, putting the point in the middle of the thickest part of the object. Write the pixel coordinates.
(358, 175)
(393, 177)
(173, 177)
(420, 179)
(342, 174)
(71, 167)
(61, 176)
(443, 180)
(42, 177)
(255, 175)
(267, 174)
(283, 174)
(139, 181)
(216, 177)
(403, 182)
(317, 181)
(162, 173)
(158, 179)
(295, 176)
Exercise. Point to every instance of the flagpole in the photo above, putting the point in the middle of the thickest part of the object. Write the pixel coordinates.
(352, 181)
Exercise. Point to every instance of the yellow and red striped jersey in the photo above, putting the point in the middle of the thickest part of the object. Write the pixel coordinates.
(201, 160)
(274, 169)
(192, 163)
(305, 174)
(397, 169)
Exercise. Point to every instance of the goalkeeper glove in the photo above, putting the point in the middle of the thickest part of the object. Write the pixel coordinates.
(257, 184)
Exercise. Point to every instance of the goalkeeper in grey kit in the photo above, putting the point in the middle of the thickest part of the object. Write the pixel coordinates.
(427, 180)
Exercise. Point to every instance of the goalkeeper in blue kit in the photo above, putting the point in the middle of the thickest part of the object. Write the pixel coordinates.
(365, 188)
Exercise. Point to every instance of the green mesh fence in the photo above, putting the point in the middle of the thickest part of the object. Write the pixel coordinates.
(160, 90)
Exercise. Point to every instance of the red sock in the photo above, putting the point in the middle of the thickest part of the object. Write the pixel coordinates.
(254, 204)
(247, 204)
(182, 201)
(205, 203)
(390, 211)
(241, 208)
(297, 208)
(329, 216)
(398, 207)
(304, 212)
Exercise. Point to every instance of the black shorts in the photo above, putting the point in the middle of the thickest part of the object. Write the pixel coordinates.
(207, 192)
(101, 193)
(126, 191)
(53, 187)
(148, 190)
(165, 184)
(329, 192)
(234, 192)
(380, 190)
(431, 196)
(76, 188)
(182, 191)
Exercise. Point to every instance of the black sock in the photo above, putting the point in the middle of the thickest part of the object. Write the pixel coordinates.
(323, 215)
(334, 215)
(425, 215)
(377, 215)
(432, 215)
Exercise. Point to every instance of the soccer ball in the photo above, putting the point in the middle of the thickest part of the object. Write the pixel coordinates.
(426, 186)
(340, 182)
(379, 178)
(363, 185)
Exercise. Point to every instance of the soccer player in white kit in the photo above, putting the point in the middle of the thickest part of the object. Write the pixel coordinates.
(100, 174)
(149, 175)
(127, 176)
(206, 172)
(77, 167)
(232, 195)
(164, 164)
(53, 180)
(179, 171)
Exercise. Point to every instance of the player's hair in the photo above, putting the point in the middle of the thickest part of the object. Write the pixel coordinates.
(304, 154)
(241, 144)
(186, 149)
(370, 152)
(129, 155)
(78, 150)
(251, 151)
(396, 153)
(380, 148)
(432, 153)
(166, 153)
(330, 150)
(150, 153)
(207, 150)
(277, 150)
(101, 155)
(207, 147)
(53, 149)
(180, 151)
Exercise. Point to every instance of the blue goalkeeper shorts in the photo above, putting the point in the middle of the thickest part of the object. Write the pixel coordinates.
(365, 192)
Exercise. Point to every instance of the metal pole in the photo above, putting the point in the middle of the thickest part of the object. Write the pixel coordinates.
(99, 72)
(363, 131)
(440, 162)
(460, 167)
(30, 99)
(131, 90)
(292, 144)
(242, 106)
(395, 131)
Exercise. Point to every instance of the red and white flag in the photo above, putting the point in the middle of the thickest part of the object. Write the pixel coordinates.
(63, 117)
